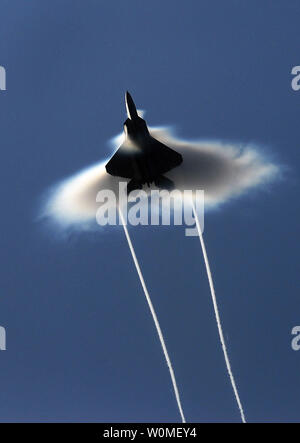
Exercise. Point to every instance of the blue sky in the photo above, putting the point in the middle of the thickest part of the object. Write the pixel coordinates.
(81, 345)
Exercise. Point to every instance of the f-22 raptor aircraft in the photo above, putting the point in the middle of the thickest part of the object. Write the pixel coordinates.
(141, 157)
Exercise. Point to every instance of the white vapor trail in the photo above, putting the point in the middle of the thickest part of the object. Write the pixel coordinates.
(217, 315)
(155, 319)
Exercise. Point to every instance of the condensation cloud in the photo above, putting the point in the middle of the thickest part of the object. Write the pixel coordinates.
(222, 170)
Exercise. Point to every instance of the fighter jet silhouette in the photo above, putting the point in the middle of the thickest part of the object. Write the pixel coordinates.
(141, 157)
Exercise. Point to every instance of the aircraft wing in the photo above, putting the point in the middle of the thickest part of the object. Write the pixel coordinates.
(121, 163)
(163, 157)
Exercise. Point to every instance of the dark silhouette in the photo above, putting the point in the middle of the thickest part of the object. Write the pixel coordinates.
(141, 157)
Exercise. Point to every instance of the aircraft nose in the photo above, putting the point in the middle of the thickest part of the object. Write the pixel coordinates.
(130, 106)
